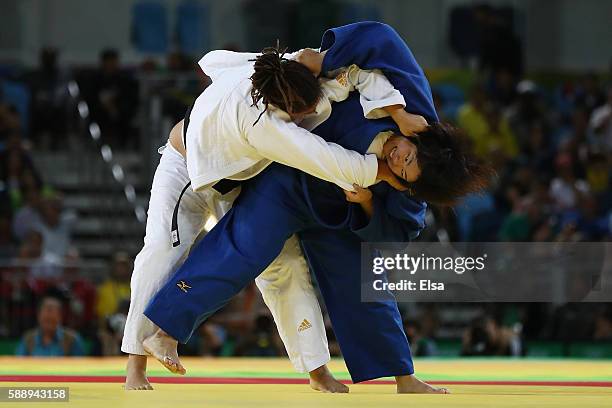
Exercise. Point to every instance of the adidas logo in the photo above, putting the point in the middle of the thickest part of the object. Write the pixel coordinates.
(305, 325)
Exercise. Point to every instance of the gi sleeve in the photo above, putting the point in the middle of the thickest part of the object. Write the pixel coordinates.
(286, 143)
(215, 62)
(396, 218)
(375, 91)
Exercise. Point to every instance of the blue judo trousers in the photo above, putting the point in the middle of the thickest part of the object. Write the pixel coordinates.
(282, 201)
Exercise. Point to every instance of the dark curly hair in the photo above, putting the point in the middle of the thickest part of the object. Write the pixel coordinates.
(449, 167)
(284, 83)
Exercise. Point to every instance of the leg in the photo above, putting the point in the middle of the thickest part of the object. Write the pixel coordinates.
(158, 259)
(370, 334)
(244, 242)
(287, 290)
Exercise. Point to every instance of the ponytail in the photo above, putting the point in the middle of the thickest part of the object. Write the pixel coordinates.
(282, 82)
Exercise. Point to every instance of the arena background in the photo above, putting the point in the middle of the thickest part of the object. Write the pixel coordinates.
(90, 89)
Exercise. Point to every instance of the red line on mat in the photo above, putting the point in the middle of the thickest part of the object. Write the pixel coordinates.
(241, 380)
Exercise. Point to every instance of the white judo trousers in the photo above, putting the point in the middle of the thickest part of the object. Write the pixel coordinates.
(286, 285)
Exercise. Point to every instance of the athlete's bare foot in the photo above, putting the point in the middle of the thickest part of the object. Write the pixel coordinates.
(322, 380)
(409, 384)
(136, 373)
(163, 347)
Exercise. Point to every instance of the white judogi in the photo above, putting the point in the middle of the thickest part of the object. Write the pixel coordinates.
(223, 142)
(285, 285)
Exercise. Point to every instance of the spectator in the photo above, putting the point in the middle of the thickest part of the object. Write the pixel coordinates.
(110, 332)
(48, 93)
(527, 110)
(17, 170)
(600, 125)
(29, 216)
(262, 341)
(80, 294)
(420, 345)
(484, 125)
(116, 289)
(113, 100)
(56, 228)
(566, 188)
(603, 325)
(539, 153)
(50, 339)
(37, 266)
(485, 337)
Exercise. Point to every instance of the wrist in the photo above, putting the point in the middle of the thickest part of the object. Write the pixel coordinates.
(394, 110)
(368, 207)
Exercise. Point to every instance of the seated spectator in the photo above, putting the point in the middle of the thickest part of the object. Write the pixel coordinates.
(578, 127)
(539, 153)
(29, 215)
(516, 226)
(116, 288)
(9, 123)
(603, 325)
(262, 341)
(527, 109)
(40, 269)
(50, 339)
(587, 220)
(486, 337)
(600, 125)
(566, 188)
(56, 227)
(47, 85)
(588, 92)
(80, 294)
(110, 332)
(17, 171)
(113, 99)
(598, 173)
(421, 345)
(484, 124)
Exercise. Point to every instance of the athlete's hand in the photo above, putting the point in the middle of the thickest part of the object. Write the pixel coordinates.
(409, 123)
(312, 59)
(360, 195)
(385, 174)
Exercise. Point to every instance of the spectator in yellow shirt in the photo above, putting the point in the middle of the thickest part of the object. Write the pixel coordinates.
(116, 288)
(485, 126)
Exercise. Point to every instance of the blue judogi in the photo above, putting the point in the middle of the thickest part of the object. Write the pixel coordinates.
(282, 201)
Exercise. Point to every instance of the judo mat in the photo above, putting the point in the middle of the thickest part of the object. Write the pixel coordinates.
(246, 382)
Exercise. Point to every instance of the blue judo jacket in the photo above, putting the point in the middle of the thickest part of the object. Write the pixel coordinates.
(371, 45)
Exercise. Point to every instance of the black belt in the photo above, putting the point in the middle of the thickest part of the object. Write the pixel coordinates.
(223, 186)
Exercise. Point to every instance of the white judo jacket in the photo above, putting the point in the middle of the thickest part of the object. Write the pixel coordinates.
(223, 142)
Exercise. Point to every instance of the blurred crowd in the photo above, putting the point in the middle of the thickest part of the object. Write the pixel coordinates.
(549, 140)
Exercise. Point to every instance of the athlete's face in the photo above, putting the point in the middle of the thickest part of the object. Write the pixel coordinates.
(401, 156)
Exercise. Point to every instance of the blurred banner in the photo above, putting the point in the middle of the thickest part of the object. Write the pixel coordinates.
(487, 272)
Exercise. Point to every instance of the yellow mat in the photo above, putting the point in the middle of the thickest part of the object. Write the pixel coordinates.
(93, 393)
